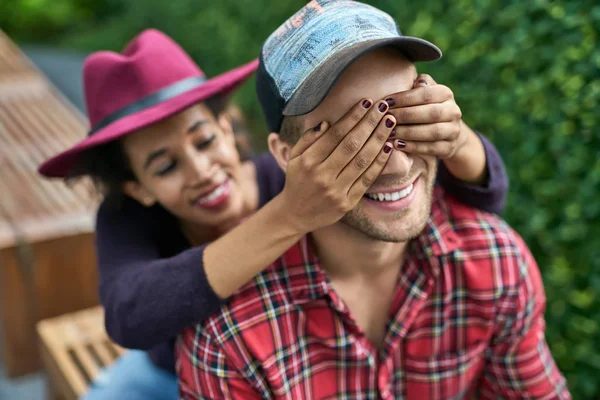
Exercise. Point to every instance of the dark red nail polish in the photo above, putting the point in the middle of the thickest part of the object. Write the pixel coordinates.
(366, 104)
(387, 148)
(382, 107)
(401, 143)
(393, 133)
(390, 102)
(389, 123)
(318, 127)
(422, 81)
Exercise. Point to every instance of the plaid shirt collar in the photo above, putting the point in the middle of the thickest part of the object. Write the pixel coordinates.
(308, 282)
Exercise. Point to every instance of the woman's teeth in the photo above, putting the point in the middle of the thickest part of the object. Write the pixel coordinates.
(214, 194)
(393, 196)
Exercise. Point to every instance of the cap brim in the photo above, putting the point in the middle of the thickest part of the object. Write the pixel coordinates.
(62, 164)
(318, 84)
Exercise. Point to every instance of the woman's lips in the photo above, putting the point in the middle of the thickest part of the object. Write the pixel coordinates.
(216, 197)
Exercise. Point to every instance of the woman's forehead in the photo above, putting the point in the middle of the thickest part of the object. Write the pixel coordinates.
(170, 128)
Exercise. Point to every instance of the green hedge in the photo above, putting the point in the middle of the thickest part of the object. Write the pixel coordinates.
(526, 73)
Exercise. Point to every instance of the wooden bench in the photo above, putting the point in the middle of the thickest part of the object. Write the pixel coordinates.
(74, 349)
(47, 253)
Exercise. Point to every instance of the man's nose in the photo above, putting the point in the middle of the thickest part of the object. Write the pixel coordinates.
(399, 164)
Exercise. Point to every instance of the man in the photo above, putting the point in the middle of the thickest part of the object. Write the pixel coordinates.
(411, 294)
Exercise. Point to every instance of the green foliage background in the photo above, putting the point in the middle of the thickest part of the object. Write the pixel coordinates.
(526, 73)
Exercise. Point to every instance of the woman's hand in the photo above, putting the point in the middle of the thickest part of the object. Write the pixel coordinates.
(430, 122)
(331, 167)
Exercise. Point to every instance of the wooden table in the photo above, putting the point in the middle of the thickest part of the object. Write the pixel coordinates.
(47, 255)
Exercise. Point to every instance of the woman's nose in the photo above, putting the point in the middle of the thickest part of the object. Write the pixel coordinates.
(198, 169)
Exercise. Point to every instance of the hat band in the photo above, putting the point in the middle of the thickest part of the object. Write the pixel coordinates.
(151, 100)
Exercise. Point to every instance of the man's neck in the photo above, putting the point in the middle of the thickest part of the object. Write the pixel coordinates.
(346, 253)
(364, 273)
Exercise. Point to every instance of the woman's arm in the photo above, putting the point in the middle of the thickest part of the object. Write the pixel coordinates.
(477, 176)
(149, 299)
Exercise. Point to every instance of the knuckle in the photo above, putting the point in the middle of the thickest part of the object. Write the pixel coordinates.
(305, 163)
(352, 145)
(447, 92)
(409, 132)
(343, 206)
(436, 112)
(336, 135)
(361, 162)
(381, 136)
(428, 94)
(409, 97)
(355, 116)
(367, 179)
(321, 181)
(458, 113)
(331, 196)
(437, 132)
(373, 119)
(446, 149)
(454, 131)
(381, 160)
(406, 115)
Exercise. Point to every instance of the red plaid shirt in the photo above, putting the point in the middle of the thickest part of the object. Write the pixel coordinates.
(468, 321)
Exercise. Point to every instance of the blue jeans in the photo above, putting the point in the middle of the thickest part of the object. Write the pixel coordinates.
(133, 377)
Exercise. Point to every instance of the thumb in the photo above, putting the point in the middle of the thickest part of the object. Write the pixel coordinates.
(309, 137)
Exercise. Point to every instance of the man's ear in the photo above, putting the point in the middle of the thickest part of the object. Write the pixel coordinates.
(137, 192)
(281, 150)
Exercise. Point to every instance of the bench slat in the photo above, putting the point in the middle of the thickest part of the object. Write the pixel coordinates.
(87, 361)
(51, 335)
(78, 348)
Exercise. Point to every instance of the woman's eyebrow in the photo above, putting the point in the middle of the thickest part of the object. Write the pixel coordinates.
(196, 125)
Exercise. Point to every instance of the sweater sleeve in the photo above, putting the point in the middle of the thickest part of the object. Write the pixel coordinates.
(147, 299)
(491, 195)
(271, 178)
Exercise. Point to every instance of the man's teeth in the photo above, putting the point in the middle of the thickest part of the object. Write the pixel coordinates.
(394, 196)
(213, 195)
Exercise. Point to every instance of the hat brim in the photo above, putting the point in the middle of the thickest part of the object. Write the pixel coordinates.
(62, 164)
(318, 84)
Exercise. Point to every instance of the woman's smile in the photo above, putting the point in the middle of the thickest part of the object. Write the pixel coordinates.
(214, 198)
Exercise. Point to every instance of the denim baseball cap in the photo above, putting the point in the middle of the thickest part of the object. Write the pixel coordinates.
(301, 61)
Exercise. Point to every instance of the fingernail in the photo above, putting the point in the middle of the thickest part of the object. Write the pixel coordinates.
(387, 148)
(382, 107)
(389, 123)
(390, 102)
(393, 133)
(318, 127)
(400, 143)
(366, 104)
(422, 81)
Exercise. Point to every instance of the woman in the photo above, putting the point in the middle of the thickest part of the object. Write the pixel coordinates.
(168, 241)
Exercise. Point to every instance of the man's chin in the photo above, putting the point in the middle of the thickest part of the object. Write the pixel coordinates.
(402, 228)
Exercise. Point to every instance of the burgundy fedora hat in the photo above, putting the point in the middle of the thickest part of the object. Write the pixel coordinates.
(151, 80)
